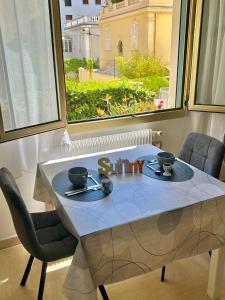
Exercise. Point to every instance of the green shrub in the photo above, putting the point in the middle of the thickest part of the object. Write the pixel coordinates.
(126, 96)
(152, 83)
(73, 64)
(138, 66)
(85, 97)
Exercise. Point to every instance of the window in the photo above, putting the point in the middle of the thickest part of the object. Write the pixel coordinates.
(69, 18)
(98, 2)
(100, 84)
(85, 2)
(120, 48)
(134, 36)
(28, 87)
(67, 45)
(207, 78)
(107, 39)
(68, 3)
(124, 67)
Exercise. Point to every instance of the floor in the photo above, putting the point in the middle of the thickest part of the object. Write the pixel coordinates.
(185, 279)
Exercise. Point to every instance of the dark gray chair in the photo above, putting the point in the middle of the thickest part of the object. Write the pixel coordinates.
(203, 152)
(42, 234)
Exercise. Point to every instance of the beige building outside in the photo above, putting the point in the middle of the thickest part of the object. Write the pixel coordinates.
(143, 25)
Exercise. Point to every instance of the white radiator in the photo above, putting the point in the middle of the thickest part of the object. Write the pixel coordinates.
(113, 141)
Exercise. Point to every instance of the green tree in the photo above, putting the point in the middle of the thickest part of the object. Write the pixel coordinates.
(138, 66)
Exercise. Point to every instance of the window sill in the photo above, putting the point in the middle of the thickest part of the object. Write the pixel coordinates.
(123, 121)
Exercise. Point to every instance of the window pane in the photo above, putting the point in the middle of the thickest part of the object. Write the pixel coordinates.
(85, 1)
(68, 3)
(210, 89)
(27, 77)
(124, 61)
(69, 17)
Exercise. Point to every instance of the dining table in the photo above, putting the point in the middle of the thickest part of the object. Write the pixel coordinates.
(147, 220)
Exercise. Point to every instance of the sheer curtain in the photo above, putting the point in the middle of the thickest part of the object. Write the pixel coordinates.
(211, 72)
(28, 89)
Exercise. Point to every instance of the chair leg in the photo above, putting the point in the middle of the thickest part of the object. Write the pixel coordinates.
(210, 253)
(103, 292)
(42, 280)
(27, 271)
(163, 273)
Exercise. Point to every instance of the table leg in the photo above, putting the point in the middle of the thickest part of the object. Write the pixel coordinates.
(216, 272)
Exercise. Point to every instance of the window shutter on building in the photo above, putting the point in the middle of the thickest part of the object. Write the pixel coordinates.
(107, 39)
(134, 35)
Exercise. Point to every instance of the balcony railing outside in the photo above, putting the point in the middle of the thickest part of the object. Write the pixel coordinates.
(82, 20)
(129, 3)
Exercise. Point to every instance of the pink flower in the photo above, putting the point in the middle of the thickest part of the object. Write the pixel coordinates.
(159, 106)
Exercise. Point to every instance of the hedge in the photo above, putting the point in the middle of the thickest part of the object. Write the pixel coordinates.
(84, 98)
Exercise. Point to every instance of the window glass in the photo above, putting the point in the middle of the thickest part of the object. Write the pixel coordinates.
(85, 1)
(28, 92)
(69, 17)
(98, 2)
(125, 61)
(68, 3)
(210, 88)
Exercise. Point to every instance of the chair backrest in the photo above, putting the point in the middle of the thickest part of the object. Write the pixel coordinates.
(21, 218)
(203, 152)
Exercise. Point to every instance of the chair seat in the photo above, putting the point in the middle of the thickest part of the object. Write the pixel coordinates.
(56, 242)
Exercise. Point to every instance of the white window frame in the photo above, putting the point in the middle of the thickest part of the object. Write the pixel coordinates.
(67, 45)
(107, 39)
(59, 69)
(134, 35)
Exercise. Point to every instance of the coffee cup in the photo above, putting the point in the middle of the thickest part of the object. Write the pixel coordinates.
(78, 176)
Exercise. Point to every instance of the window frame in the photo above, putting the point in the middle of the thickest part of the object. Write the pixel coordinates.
(107, 38)
(134, 35)
(197, 22)
(83, 125)
(86, 125)
(67, 45)
(54, 13)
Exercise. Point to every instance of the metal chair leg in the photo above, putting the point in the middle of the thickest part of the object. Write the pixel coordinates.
(163, 273)
(42, 280)
(27, 271)
(103, 292)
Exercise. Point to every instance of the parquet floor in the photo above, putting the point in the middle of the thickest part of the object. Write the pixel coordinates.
(185, 280)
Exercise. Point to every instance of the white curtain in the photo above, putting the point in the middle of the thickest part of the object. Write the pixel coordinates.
(28, 95)
(211, 72)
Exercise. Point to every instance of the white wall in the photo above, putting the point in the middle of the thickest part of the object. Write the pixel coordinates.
(15, 157)
(20, 157)
(85, 42)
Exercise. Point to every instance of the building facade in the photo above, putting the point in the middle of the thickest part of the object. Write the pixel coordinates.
(72, 9)
(131, 25)
(80, 32)
(81, 38)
